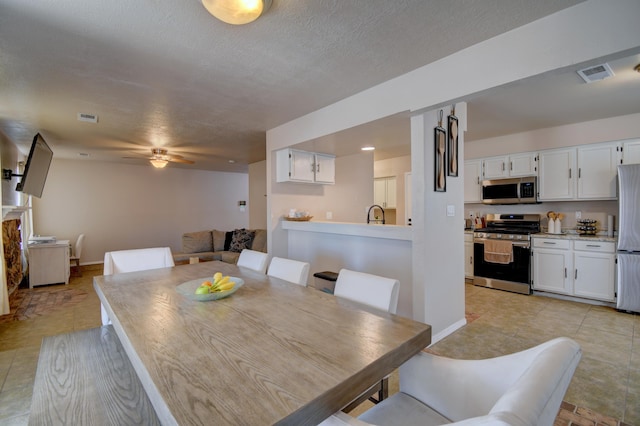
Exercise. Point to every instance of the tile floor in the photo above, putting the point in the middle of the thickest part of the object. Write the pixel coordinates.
(607, 380)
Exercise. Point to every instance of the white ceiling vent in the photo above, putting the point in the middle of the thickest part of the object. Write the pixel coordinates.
(596, 73)
(89, 118)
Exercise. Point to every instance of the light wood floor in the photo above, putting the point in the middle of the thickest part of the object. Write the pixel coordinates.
(607, 380)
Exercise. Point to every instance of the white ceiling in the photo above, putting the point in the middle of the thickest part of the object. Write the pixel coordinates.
(165, 73)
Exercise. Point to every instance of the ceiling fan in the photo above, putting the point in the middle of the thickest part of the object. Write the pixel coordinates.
(160, 157)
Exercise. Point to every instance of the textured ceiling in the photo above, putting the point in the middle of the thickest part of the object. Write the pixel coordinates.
(165, 73)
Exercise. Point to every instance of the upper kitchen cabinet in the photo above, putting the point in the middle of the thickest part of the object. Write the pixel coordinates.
(514, 165)
(473, 181)
(384, 192)
(631, 152)
(325, 168)
(587, 172)
(556, 175)
(306, 167)
(597, 171)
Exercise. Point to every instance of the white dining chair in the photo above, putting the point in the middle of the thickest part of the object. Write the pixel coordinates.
(116, 262)
(377, 292)
(252, 259)
(290, 270)
(368, 289)
(74, 259)
(524, 388)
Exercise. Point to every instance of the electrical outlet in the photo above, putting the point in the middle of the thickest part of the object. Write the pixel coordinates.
(578, 215)
(329, 215)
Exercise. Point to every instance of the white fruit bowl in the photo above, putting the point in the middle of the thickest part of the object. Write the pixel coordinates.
(188, 289)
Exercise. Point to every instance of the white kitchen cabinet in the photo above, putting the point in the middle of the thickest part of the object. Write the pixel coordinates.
(597, 171)
(594, 270)
(49, 263)
(468, 256)
(325, 171)
(515, 165)
(631, 152)
(556, 176)
(496, 167)
(524, 164)
(552, 265)
(293, 165)
(473, 181)
(384, 192)
(576, 268)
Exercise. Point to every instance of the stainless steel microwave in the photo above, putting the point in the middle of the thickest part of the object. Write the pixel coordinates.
(521, 190)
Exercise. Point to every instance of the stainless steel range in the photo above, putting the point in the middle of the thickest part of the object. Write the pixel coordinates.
(502, 252)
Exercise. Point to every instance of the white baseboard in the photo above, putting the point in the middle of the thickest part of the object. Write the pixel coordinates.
(447, 331)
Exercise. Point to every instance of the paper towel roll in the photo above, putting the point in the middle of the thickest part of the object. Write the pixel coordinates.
(610, 226)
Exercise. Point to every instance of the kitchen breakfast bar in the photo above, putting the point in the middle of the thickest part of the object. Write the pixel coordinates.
(272, 353)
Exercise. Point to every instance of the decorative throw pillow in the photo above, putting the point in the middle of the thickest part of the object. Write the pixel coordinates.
(241, 240)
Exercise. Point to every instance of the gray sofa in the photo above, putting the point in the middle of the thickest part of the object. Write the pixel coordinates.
(220, 245)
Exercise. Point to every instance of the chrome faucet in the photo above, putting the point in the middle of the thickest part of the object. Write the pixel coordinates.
(371, 208)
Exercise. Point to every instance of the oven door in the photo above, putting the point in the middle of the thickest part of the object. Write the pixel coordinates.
(518, 271)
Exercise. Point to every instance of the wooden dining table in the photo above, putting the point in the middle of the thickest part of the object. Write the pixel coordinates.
(272, 353)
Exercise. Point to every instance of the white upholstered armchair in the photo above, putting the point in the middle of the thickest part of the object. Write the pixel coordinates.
(523, 389)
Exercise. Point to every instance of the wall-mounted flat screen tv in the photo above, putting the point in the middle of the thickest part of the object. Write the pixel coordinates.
(37, 167)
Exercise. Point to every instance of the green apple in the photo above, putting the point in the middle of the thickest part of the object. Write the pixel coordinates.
(202, 290)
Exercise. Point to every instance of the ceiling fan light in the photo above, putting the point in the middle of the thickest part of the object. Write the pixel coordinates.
(237, 12)
(159, 164)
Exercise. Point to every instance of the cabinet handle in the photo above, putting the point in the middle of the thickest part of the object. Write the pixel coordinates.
(510, 165)
(569, 173)
(565, 272)
(470, 260)
(575, 276)
(548, 242)
(318, 168)
(593, 245)
(579, 172)
(478, 180)
(503, 166)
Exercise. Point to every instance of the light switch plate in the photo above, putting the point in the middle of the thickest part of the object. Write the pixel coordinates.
(451, 210)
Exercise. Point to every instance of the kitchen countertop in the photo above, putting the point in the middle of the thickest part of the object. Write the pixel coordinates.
(572, 236)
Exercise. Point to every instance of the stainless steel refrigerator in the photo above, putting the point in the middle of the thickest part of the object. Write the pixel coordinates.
(629, 238)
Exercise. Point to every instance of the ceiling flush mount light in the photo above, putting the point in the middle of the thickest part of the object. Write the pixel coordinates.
(237, 12)
(367, 148)
(159, 164)
(159, 158)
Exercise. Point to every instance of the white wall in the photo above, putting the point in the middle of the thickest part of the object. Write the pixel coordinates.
(124, 206)
(551, 43)
(604, 130)
(257, 204)
(10, 158)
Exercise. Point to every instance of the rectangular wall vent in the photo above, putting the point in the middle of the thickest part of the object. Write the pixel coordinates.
(89, 118)
(596, 73)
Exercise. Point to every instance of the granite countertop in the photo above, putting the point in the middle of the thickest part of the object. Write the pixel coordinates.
(575, 236)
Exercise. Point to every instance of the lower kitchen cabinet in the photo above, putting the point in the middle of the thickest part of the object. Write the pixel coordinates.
(575, 268)
(594, 270)
(552, 265)
(468, 256)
